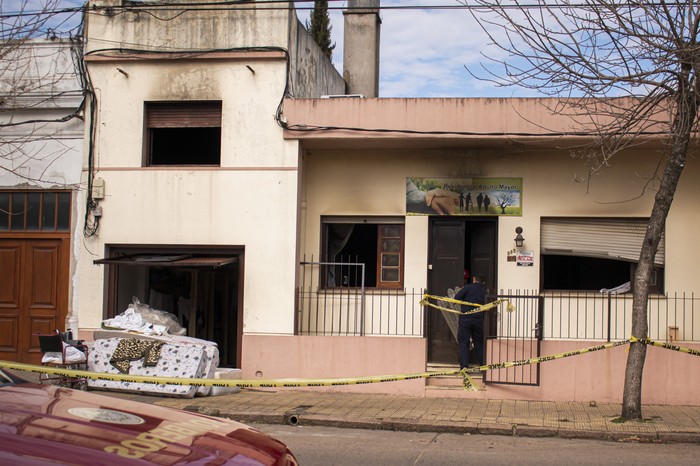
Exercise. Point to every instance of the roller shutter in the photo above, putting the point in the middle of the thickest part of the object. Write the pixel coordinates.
(618, 238)
(183, 114)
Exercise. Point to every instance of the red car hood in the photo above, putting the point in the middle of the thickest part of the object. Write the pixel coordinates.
(42, 424)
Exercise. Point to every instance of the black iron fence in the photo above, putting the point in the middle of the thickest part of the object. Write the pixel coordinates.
(514, 336)
(325, 307)
(599, 316)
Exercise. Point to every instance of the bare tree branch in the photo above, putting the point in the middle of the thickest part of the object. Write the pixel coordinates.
(626, 73)
(41, 87)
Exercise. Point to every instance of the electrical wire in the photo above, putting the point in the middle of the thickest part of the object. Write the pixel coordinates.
(91, 227)
(284, 5)
(314, 128)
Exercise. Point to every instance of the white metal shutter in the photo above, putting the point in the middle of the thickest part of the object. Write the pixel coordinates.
(606, 238)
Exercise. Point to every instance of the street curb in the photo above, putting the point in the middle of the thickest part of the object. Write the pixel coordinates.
(455, 427)
(637, 437)
(535, 432)
(423, 426)
(679, 437)
(583, 434)
(326, 421)
(247, 418)
(496, 429)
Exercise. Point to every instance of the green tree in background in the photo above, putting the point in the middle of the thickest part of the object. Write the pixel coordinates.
(320, 27)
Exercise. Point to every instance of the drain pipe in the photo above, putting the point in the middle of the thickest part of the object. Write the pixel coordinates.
(293, 420)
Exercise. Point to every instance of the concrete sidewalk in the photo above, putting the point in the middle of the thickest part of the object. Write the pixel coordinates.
(563, 419)
(458, 415)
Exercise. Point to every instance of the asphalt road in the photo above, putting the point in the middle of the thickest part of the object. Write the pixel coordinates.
(333, 446)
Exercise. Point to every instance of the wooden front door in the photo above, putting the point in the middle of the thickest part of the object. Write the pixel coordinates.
(33, 294)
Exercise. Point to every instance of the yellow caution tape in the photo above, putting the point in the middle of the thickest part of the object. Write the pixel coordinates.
(469, 383)
(668, 346)
(552, 357)
(291, 383)
(478, 307)
(223, 382)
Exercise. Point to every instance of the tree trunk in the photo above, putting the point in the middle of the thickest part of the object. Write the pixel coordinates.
(632, 393)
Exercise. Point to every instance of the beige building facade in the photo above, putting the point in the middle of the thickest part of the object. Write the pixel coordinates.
(579, 246)
(287, 231)
(196, 211)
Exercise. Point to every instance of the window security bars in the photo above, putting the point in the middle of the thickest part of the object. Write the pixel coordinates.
(327, 305)
(33, 211)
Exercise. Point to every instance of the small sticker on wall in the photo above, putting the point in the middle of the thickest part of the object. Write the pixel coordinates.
(525, 258)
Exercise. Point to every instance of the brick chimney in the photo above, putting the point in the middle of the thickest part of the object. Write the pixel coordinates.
(361, 47)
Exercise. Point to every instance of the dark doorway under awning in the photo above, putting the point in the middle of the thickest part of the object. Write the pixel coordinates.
(200, 286)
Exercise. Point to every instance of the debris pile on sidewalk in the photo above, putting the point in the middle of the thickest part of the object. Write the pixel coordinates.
(149, 342)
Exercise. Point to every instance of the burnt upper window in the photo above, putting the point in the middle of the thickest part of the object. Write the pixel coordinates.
(183, 133)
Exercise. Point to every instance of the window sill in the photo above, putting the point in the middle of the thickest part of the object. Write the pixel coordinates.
(373, 290)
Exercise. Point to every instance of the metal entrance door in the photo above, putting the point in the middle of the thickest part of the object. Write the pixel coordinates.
(514, 336)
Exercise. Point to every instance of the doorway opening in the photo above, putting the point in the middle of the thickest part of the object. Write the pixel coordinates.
(457, 244)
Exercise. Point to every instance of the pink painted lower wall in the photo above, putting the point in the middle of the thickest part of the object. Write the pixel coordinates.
(273, 356)
(670, 377)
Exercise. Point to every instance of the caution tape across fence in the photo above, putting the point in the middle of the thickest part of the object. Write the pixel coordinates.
(477, 307)
(331, 382)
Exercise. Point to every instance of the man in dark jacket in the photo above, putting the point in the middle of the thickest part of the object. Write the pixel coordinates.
(471, 326)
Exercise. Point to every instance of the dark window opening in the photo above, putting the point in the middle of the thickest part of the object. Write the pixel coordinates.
(361, 248)
(378, 246)
(183, 133)
(185, 146)
(578, 273)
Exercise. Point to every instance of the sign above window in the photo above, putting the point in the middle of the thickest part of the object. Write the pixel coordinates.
(464, 196)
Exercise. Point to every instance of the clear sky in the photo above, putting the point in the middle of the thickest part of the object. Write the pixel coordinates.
(424, 52)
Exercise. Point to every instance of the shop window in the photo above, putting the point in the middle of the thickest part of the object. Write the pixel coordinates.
(35, 210)
(183, 133)
(377, 243)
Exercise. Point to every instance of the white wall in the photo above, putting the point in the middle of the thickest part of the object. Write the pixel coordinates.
(250, 201)
(39, 86)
